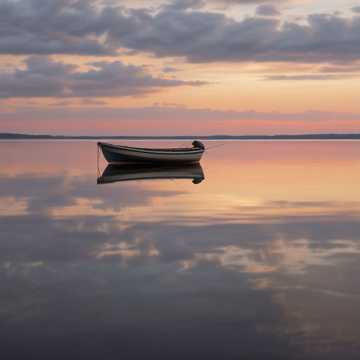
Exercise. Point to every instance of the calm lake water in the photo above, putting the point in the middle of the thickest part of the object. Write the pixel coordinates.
(260, 260)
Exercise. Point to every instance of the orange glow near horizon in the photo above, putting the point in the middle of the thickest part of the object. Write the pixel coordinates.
(266, 171)
(191, 127)
(261, 86)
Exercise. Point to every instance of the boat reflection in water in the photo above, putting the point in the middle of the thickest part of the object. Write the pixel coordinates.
(129, 172)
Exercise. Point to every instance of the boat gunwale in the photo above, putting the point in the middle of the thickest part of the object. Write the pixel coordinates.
(168, 151)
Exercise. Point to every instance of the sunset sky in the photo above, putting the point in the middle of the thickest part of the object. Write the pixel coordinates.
(176, 67)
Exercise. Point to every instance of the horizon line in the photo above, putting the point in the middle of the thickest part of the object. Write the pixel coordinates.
(10, 135)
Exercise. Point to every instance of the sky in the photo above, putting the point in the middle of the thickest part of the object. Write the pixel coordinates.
(179, 67)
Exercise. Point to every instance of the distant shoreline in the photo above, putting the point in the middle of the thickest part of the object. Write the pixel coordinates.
(15, 136)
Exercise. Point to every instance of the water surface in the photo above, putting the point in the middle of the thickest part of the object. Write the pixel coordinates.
(260, 260)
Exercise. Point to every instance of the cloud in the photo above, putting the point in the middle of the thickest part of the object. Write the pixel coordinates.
(44, 77)
(267, 10)
(306, 77)
(239, 2)
(185, 4)
(197, 4)
(341, 68)
(199, 36)
(169, 69)
(53, 27)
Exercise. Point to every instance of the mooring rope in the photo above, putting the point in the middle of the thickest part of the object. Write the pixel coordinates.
(215, 146)
(98, 160)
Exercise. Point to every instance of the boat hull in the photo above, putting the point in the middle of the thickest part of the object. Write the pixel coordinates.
(115, 154)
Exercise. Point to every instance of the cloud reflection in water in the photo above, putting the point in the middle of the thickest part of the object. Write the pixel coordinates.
(240, 259)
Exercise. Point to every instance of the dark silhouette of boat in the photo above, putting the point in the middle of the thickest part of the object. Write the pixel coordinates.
(129, 172)
(117, 154)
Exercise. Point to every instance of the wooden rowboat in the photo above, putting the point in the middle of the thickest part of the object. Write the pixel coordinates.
(117, 154)
(130, 172)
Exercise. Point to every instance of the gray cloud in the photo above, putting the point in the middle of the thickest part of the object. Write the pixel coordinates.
(340, 68)
(44, 77)
(245, 2)
(201, 36)
(52, 27)
(196, 4)
(81, 27)
(169, 69)
(185, 4)
(267, 10)
(306, 77)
